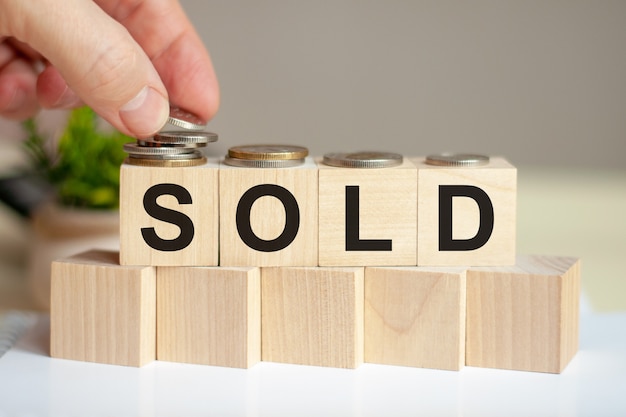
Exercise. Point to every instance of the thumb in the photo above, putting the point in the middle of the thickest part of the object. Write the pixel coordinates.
(99, 60)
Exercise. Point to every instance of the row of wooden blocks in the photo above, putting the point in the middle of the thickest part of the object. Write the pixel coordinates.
(319, 215)
(522, 317)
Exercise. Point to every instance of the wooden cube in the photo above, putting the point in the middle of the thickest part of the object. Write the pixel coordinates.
(466, 215)
(209, 315)
(524, 317)
(101, 311)
(383, 228)
(268, 216)
(415, 316)
(312, 316)
(169, 216)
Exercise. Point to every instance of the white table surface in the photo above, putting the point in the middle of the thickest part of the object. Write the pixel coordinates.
(33, 384)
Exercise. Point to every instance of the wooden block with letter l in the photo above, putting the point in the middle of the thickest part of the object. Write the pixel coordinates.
(524, 317)
(209, 315)
(101, 311)
(367, 210)
(466, 210)
(268, 216)
(312, 316)
(169, 215)
(415, 316)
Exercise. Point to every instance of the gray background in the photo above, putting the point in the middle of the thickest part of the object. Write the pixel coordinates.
(540, 82)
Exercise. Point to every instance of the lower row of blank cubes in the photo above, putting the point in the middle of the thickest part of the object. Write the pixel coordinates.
(523, 317)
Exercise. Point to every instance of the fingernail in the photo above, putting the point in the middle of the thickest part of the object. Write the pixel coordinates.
(145, 114)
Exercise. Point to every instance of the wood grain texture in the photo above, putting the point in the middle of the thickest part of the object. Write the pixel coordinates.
(202, 184)
(313, 316)
(209, 316)
(415, 316)
(388, 211)
(524, 317)
(101, 311)
(498, 180)
(267, 216)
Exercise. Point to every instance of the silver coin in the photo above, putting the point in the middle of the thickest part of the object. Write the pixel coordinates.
(185, 137)
(136, 149)
(263, 163)
(457, 160)
(194, 154)
(363, 159)
(183, 119)
(151, 143)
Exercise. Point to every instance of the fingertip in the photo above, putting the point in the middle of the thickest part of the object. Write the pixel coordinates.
(146, 113)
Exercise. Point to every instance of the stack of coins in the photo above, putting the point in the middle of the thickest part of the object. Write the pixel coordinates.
(266, 156)
(173, 148)
(457, 160)
(363, 159)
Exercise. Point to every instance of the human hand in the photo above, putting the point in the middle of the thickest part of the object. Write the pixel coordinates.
(126, 59)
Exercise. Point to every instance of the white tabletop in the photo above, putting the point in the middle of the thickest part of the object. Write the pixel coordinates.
(33, 384)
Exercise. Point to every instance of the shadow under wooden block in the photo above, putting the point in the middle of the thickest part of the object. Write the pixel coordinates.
(312, 316)
(101, 311)
(524, 317)
(268, 216)
(415, 316)
(209, 316)
(367, 216)
(466, 215)
(169, 216)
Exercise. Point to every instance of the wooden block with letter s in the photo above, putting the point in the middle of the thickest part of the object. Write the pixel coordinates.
(312, 316)
(209, 315)
(466, 214)
(524, 317)
(415, 316)
(169, 216)
(101, 311)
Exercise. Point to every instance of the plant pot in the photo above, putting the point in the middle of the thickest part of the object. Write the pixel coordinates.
(59, 232)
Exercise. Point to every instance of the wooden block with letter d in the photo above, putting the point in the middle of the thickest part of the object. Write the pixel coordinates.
(466, 207)
(101, 311)
(312, 316)
(268, 216)
(367, 211)
(415, 316)
(209, 315)
(169, 215)
(524, 317)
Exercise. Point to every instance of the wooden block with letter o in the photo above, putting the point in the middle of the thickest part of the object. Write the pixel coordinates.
(415, 316)
(209, 315)
(312, 316)
(367, 216)
(268, 216)
(524, 317)
(466, 213)
(101, 311)
(169, 215)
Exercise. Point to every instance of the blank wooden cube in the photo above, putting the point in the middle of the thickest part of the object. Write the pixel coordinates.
(383, 231)
(169, 216)
(101, 311)
(464, 235)
(524, 317)
(268, 216)
(209, 316)
(415, 316)
(312, 316)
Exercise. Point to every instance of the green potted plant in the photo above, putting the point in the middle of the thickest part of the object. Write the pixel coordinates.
(82, 169)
